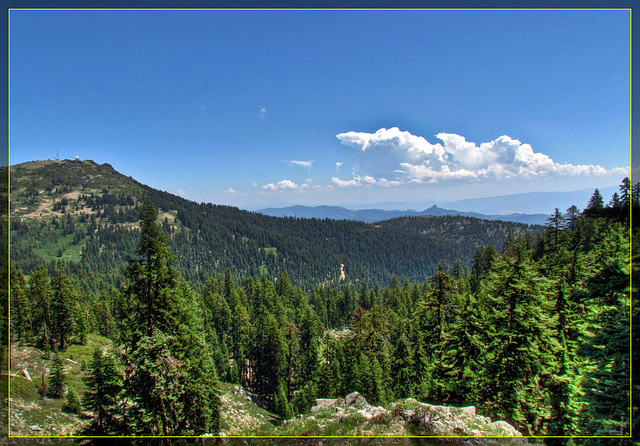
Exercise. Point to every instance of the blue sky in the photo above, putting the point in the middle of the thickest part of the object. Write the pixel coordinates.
(327, 107)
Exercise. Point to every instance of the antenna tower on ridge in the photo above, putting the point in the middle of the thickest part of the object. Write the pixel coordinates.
(57, 158)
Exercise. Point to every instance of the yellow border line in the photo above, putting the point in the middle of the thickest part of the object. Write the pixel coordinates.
(9, 222)
(324, 9)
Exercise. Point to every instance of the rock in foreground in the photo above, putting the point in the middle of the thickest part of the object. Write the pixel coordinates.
(353, 415)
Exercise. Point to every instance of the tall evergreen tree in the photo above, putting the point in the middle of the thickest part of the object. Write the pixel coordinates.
(57, 377)
(20, 308)
(608, 384)
(403, 369)
(40, 297)
(103, 386)
(555, 224)
(268, 354)
(596, 203)
(170, 381)
(520, 354)
(63, 308)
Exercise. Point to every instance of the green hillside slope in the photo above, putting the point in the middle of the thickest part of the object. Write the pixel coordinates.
(86, 214)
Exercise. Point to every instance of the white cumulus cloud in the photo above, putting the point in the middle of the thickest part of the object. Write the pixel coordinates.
(339, 164)
(367, 180)
(230, 191)
(410, 158)
(281, 185)
(182, 192)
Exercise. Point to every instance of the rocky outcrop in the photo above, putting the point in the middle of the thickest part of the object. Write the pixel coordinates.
(411, 417)
(447, 420)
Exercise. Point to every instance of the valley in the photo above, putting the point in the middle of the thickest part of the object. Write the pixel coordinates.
(137, 312)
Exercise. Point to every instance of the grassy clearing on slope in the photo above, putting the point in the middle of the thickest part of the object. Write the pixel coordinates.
(35, 415)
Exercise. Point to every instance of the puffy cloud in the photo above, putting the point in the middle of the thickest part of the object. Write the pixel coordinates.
(366, 180)
(414, 159)
(339, 164)
(263, 112)
(306, 164)
(230, 191)
(281, 185)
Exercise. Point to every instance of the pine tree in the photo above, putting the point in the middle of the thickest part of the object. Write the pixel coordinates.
(555, 224)
(462, 353)
(268, 354)
(596, 203)
(281, 403)
(519, 356)
(441, 298)
(571, 218)
(241, 341)
(564, 385)
(40, 297)
(309, 347)
(20, 311)
(403, 369)
(331, 380)
(63, 308)
(57, 378)
(73, 403)
(170, 381)
(482, 262)
(103, 386)
(608, 384)
(625, 193)
(152, 280)
(615, 201)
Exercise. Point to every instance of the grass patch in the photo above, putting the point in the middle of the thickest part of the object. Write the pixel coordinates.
(71, 252)
(84, 353)
(23, 388)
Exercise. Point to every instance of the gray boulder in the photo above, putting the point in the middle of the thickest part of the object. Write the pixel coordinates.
(355, 399)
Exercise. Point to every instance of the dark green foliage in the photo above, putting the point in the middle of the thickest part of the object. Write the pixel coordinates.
(40, 296)
(20, 308)
(170, 381)
(596, 203)
(208, 239)
(152, 280)
(608, 385)
(521, 345)
(281, 404)
(463, 348)
(63, 309)
(268, 354)
(403, 370)
(73, 404)
(103, 387)
(537, 335)
(57, 378)
(564, 383)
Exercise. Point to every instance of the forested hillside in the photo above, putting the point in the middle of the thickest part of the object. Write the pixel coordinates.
(86, 215)
(535, 332)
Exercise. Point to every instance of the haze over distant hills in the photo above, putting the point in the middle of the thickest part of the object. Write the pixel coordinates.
(373, 215)
(529, 208)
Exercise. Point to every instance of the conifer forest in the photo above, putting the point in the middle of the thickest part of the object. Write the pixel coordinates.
(170, 302)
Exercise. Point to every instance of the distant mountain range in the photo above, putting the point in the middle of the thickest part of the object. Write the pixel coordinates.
(82, 213)
(529, 208)
(374, 215)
